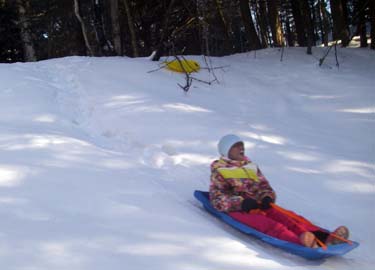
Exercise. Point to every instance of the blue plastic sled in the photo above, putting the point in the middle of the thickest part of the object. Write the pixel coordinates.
(305, 252)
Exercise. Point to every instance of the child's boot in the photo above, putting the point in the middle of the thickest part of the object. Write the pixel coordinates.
(342, 232)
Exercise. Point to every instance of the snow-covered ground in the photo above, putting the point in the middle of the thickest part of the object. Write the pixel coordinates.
(99, 158)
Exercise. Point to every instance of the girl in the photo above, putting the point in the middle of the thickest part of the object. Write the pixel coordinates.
(239, 188)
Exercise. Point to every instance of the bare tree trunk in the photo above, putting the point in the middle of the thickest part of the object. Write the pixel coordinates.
(131, 28)
(262, 22)
(225, 27)
(372, 19)
(273, 13)
(339, 26)
(251, 33)
(299, 23)
(344, 4)
(325, 22)
(83, 28)
(289, 33)
(159, 50)
(359, 8)
(306, 14)
(116, 30)
(105, 45)
(313, 19)
(320, 21)
(28, 47)
(201, 11)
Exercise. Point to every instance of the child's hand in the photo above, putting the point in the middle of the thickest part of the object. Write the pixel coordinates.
(266, 203)
(249, 204)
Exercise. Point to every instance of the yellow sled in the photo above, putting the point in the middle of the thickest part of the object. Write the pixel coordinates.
(183, 65)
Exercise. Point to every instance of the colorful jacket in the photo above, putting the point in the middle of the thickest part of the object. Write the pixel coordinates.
(233, 181)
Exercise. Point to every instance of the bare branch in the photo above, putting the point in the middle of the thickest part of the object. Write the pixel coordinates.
(321, 60)
(83, 27)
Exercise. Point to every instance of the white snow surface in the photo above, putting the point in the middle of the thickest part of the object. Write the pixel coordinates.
(99, 158)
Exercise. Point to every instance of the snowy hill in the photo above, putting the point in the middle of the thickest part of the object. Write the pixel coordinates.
(99, 158)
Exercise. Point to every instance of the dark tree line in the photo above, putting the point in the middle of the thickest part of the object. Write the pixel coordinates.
(33, 30)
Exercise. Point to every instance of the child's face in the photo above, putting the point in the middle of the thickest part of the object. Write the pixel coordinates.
(237, 152)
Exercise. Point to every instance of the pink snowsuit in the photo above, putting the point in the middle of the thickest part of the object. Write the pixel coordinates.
(233, 181)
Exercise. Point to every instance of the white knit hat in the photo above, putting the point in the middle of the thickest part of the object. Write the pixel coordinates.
(226, 143)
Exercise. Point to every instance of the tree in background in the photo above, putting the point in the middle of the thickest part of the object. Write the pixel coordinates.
(308, 29)
(360, 7)
(299, 23)
(131, 28)
(339, 23)
(261, 15)
(83, 27)
(274, 21)
(42, 29)
(323, 21)
(251, 34)
(115, 26)
(11, 46)
(23, 7)
(372, 20)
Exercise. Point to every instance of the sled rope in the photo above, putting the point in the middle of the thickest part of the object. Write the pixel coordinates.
(320, 243)
(303, 220)
(296, 218)
(291, 214)
(341, 238)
